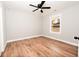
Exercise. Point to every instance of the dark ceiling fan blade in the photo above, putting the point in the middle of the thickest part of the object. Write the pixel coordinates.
(42, 2)
(45, 7)
(32, 5)
(35, 10)
(41, 11)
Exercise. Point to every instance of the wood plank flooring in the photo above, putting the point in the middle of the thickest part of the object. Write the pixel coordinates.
(39, 47)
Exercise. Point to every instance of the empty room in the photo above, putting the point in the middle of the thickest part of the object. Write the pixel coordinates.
(39, 28)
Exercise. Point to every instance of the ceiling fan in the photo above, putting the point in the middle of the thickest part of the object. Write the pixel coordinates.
(40, 6)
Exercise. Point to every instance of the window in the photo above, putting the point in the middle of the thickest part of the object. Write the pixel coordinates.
(55, 24)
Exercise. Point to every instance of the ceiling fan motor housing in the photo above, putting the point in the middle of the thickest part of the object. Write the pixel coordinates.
(39, 6)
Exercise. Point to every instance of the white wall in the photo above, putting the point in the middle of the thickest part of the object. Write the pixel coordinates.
(2, 28)
(22, 24)
(19, 24)
(70, 24)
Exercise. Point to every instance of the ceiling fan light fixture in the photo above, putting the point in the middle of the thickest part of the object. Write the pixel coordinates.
(40, 7)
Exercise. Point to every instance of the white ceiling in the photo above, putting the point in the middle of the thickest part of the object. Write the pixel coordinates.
(24, 5)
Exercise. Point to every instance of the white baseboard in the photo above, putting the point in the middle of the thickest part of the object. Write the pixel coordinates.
(0, 53)
(38, 36)
(24, 38)
(61, 40)
(44, 36)
(3, 49)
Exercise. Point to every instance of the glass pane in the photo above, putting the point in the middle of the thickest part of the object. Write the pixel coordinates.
(55, 24)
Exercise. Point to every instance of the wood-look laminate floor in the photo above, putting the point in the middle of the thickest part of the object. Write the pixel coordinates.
(39, 47)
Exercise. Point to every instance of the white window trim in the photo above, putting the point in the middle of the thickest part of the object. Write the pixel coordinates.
(60, 24)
